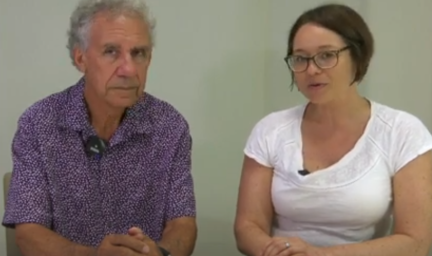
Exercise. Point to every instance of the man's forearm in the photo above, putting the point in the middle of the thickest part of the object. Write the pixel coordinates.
(179, 238)
(36, 240)
(394, 245)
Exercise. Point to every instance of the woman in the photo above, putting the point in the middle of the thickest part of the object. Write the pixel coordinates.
(324, 178)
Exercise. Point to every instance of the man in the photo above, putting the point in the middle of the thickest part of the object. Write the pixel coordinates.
(102, 168)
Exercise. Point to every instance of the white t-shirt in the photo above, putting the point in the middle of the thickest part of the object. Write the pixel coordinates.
(350, 201)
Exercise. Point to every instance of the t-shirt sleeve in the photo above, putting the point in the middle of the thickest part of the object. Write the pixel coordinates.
(410, 138)
(259, 143)
(28, 198)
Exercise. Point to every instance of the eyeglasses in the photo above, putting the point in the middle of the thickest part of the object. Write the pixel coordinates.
(323, 60)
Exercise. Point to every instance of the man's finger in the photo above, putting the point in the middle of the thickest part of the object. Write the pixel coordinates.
(129, 242)
(137, 233)
(135, 230)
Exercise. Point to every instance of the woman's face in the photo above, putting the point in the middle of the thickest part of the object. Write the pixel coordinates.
(330, 79)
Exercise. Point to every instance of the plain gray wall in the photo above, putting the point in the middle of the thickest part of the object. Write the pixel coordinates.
(220, 63)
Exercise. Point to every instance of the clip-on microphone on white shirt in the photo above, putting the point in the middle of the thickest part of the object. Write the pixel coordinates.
(303, 172)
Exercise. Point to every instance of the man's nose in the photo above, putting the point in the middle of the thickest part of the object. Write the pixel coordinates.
(127, 66)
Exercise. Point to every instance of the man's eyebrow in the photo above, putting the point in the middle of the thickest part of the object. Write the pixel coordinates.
(141, 48)
(111, 45)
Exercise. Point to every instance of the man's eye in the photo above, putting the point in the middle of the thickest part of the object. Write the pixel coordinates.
(110, 52)
(139, 53)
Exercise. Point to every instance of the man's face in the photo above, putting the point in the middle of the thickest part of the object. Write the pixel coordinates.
(117, 58)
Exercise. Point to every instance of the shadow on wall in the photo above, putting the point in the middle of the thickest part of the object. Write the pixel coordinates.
(230, 106)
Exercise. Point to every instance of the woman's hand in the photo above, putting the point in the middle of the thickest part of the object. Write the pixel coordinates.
(291, 246)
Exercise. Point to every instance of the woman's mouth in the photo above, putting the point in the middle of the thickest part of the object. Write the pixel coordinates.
(317, 85)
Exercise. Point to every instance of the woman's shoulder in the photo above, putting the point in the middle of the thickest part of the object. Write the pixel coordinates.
(268, 130)
(397, 119)
(281, 118)
(406, 136)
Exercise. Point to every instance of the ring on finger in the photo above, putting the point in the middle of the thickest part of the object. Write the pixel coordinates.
(287, 245)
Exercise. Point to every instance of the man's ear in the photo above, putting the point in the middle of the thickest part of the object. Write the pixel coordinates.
(79, 59)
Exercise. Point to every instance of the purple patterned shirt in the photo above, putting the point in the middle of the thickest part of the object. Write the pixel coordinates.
(143, 179)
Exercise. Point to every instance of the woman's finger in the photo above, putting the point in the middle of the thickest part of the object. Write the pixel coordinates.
(295, 252)
(275, 248)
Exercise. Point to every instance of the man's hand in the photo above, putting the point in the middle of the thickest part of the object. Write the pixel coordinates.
(150, 248)
(291, 246)
(121, 245)
(136, 233)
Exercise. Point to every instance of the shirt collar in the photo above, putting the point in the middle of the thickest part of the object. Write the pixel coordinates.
(75, 115)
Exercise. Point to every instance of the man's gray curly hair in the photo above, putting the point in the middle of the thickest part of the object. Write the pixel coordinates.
(83, 15)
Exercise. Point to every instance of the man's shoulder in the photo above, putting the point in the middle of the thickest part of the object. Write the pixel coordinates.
(45, 111)
(164, 115)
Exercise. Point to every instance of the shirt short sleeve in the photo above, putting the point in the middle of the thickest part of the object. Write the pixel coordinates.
(28, 198)
(181, 199)
(410, 138)
(260, 142)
